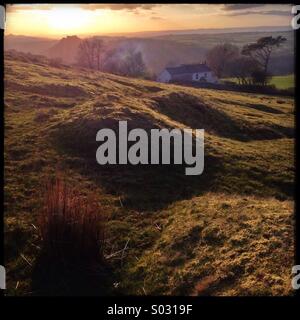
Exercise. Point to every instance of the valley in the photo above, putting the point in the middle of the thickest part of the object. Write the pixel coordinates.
(161, 50)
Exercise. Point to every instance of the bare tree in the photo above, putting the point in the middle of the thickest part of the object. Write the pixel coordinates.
(90, 53)
(94, 54)
(85, 53)
(219, 57)
(98, 52)
(133, 64)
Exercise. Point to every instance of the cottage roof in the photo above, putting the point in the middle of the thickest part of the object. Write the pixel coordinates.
(188, 68)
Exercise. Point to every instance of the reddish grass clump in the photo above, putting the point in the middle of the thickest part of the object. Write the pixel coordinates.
(71, 225)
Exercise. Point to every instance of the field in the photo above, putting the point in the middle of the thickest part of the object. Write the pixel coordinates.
(283, 82)
(239, 39)
(229, 231)
(280, 82)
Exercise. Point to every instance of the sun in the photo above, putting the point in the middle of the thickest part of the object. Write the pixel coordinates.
(66, 20)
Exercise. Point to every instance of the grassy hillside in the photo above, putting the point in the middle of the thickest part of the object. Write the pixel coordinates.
(226, 232)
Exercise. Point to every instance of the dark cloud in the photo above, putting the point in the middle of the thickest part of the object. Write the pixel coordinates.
(231, 7)
(277, 13)
(253, 9)
(269, 13)
(119, 6)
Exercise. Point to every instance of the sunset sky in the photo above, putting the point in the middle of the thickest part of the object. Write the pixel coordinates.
(55, 20)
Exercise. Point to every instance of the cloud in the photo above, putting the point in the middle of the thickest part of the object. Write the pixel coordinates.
(233, 10)
(277, 13)
(118, 6)
(157, 18)
(232, 7)
(24, 7)
(92, 7)
(269, 13)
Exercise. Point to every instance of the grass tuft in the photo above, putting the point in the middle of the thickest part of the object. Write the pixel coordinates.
(71, 261)
(71, 225)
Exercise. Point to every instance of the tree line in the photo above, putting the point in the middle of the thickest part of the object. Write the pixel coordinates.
(250, 65)
(96, 54)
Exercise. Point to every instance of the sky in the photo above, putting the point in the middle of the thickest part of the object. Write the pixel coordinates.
(56, 20)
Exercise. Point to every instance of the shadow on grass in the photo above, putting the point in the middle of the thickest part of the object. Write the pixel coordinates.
(64, 278)
(147, 187)
(153, 187)
(71, 261)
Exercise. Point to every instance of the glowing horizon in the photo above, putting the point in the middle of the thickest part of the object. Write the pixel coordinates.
(56, 20)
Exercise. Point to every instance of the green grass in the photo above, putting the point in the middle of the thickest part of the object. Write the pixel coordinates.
(226, 232)
(280, 82)
(283, 82)
(212, 245)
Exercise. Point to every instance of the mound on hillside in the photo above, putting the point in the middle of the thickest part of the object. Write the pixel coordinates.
(219, 245)
(228, 231)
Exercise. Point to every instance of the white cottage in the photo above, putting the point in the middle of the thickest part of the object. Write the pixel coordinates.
(188, 72)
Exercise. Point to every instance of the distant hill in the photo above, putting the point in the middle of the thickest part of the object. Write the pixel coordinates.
(165, 49)
(144, 34)
(35, 45)
(282, 59)
(65, 49)
(172, 50)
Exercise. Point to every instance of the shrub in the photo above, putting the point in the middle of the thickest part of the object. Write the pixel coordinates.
(260, 77)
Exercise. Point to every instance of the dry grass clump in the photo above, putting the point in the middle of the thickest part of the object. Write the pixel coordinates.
(71, 259)
(71, 225)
